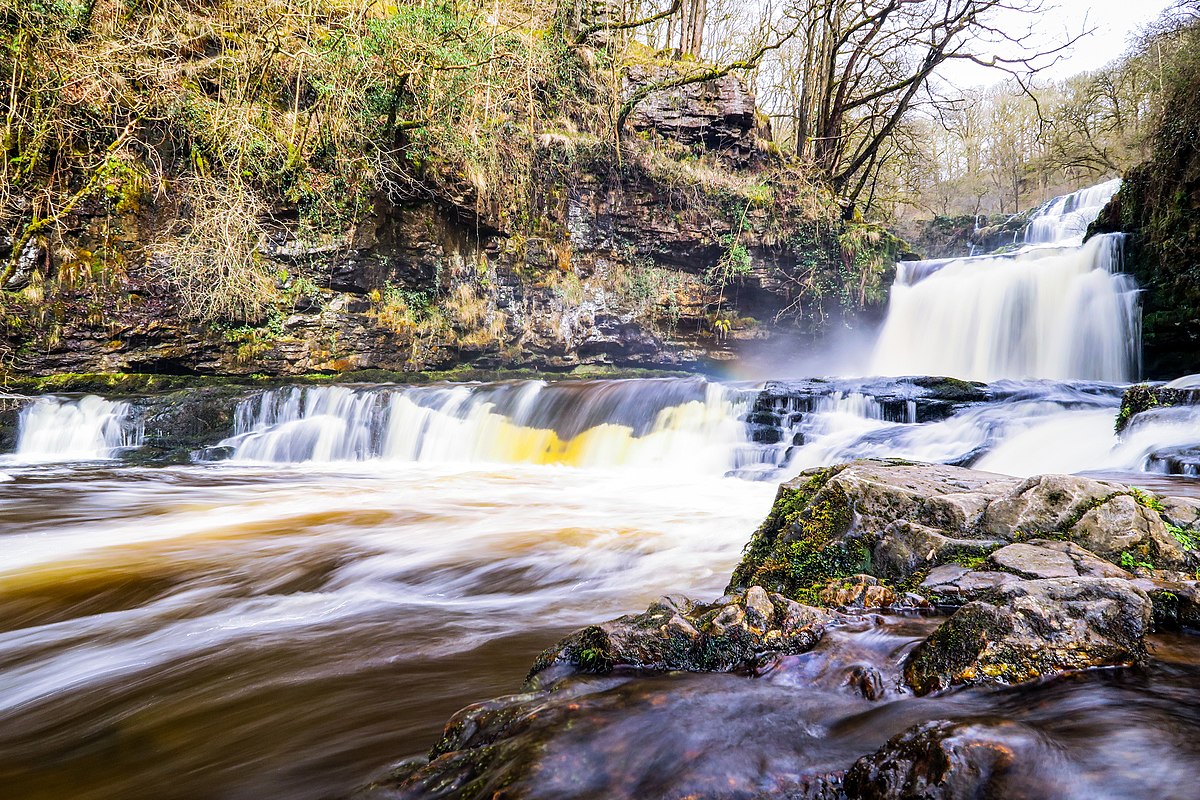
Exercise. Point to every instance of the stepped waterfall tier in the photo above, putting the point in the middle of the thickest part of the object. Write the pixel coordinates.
(1064, 220)
(689, 426)
(76, 430)
(1056, 308)
(686, 424)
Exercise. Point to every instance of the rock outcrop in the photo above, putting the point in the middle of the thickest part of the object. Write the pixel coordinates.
(1031, 628)
(607, 261)
(945, 760)
(1144, 397)
(734, 632)
(719, 115)
(1041, 570)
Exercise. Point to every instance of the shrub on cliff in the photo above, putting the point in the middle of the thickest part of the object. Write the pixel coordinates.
(318, 106)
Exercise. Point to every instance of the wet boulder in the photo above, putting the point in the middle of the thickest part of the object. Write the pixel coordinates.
(950, 499)
(1183, 512)
(956, 760)
(674, 633)
(1033, 602)
(908, 547)
(1043, 504)
(1040, 558)
(1030, 629)
(900, 522)
(825, 523)
(954, 584)
(1176, 603)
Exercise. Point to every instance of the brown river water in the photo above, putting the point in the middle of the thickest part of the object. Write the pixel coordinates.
(248, 632)
(263, 628)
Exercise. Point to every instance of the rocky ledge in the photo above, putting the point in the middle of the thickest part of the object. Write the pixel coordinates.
(1144, 398)
(870, 580)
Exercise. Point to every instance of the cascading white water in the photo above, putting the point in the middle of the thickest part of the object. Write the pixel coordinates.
(691, 425)
(90, 428)
(1064, 220)
(1064, 313)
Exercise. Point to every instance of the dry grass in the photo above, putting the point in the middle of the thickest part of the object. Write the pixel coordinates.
(316, 104)
(212, 259)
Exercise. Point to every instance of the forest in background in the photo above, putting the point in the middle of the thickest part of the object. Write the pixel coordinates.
(950, 150)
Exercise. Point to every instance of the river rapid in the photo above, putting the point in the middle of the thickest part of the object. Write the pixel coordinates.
(249, 631)
(310, 598)
(288, 619)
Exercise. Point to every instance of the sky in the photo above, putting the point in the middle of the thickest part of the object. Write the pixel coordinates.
(1113, 21)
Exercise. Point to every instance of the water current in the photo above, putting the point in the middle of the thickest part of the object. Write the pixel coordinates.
(311, 598)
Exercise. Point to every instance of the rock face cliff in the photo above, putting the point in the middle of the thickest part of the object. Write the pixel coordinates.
(683, 248)
(1159, 208)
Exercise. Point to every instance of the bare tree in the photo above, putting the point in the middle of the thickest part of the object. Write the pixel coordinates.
(866, 65)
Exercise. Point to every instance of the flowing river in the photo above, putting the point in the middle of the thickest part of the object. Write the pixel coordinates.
(311, 597)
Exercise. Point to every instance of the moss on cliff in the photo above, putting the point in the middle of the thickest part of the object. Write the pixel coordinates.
(1159, 206)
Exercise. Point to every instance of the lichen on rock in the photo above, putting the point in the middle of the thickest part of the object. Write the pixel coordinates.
(1030, 629)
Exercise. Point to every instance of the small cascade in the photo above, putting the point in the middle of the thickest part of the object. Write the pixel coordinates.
(328, 423)
(689, 424)
(1013, 427)
(1064, 220)
(1165, 440)
(789, 421)
(87, 429)
(1062, 313)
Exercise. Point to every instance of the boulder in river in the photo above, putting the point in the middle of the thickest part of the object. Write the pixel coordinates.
(915, 525)
(825, 523)
(954, 760)
(677, 634)
(1033, 628)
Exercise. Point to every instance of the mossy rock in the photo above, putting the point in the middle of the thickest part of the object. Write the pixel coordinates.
(1144, 397)
(1033, 629)
(802, 545)
(678, 634)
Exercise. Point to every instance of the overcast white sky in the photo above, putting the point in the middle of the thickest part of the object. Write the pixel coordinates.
(1113, 20)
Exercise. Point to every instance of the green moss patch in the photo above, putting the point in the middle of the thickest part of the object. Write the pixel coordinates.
(802, 545)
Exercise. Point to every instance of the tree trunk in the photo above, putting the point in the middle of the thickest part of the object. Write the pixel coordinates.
(701, 13)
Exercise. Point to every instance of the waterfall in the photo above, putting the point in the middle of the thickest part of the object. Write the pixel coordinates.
(690, 425)
(1064, 312)
(90, 428)
(1064, 220)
